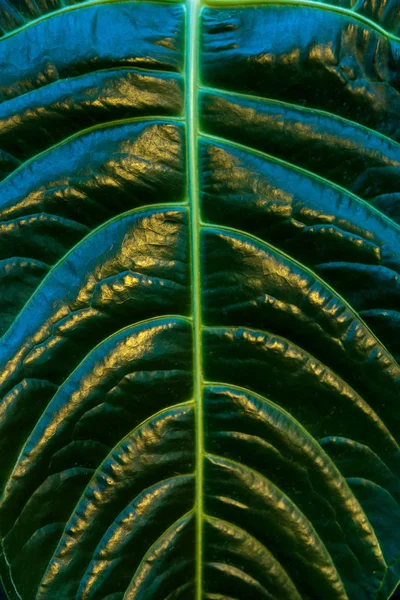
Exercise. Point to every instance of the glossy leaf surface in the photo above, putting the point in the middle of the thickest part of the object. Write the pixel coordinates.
(199, 267)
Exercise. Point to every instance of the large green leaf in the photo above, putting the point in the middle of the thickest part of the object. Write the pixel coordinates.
(199, 266)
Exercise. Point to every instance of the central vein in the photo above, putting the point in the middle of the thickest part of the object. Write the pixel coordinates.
(192, 19)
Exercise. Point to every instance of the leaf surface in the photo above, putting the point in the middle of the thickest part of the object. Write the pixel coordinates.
(199, 265)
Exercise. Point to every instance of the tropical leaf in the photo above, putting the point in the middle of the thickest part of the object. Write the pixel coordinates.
(199, 264)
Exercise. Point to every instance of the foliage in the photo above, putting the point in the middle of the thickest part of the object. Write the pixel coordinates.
(199, 268)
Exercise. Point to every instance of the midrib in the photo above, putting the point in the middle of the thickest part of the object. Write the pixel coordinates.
(192, 27)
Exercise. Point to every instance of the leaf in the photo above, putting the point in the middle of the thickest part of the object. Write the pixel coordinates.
(199, 264)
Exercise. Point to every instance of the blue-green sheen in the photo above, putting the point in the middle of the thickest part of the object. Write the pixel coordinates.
(199, 299)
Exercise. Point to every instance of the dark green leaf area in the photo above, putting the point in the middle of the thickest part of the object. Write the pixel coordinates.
(66, 106)
(318, 398)
(19, 408)
(384, 12)
(131, 269)
(293, 209)
(248, 283)
(325, 387)
(335, 63)
(238, 564)
(19, 277)
(118, 34)
(130, 363)
(99, 174)
(337, 149)
(42, 523)
(100, 427)
(266, 453)
(152, 463)
(375, 483)
(39, 236)
(169, 569)
(115, 554)
(352, 246)
(374, 292)
(51, 203)
(388, 204)
(356, 460)
(7, 163)
(18, 13)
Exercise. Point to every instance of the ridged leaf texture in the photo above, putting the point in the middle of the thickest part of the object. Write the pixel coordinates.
(199, 269)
